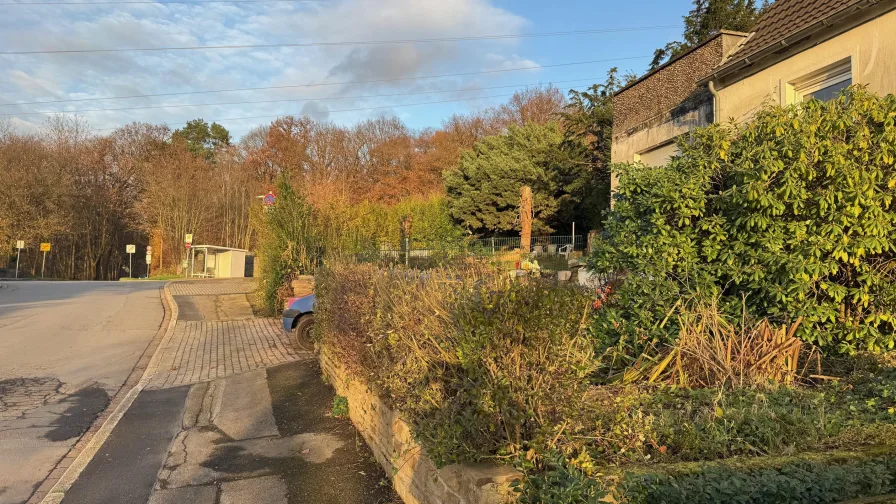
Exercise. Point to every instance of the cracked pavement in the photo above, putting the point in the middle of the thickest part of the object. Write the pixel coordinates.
(67, 348)
(261, 433)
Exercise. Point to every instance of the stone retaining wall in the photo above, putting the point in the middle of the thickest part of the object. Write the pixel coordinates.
(415, 478)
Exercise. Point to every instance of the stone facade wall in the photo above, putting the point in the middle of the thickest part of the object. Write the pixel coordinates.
(416, 479)
(666, 89)
(668, 102)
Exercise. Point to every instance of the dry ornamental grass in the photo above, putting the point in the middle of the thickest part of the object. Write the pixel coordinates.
(714, 352)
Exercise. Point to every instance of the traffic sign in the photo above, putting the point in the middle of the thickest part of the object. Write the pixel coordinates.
(20, 244)
(269, 199)
(188, 238)
(188, 244)
(131, 249)
(44, 247)
(149, 249)
(148, 258)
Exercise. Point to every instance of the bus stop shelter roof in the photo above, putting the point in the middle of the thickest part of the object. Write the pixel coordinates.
(218, 248)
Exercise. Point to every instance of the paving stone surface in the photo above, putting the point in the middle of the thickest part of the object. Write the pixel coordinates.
(216, 335)
(204, 351)
(212, 287)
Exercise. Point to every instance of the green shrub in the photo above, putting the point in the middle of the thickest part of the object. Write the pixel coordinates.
(815, 482)
(477, 363)
(558, 483)
(791, 213)
(818, 479)
(340, 407)
(288, 245)
(638, 424)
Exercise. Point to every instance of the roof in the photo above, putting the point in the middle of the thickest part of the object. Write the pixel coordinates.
(788, 21)
(678, 57)
(786, 17)
(218, 248)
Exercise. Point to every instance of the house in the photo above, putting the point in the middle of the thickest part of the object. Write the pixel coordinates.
(799, 49)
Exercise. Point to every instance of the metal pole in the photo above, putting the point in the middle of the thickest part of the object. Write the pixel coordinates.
(42, 264)
(130, 265)
(573, 235)
(18, 253)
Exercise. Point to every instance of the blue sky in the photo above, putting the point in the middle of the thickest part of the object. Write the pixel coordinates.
(86, 77)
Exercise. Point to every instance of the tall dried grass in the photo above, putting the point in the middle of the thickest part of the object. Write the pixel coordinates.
(713, 351)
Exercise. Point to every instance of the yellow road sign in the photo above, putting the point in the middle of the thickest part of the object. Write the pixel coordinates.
(44, 247)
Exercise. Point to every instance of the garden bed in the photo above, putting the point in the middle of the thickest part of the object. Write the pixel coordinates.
(486, 369)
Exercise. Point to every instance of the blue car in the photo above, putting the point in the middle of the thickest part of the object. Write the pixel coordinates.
(298, 319)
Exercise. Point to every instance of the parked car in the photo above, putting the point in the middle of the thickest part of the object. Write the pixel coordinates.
(298, 319)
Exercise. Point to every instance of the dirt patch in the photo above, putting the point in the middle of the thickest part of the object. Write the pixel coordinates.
(301, 403)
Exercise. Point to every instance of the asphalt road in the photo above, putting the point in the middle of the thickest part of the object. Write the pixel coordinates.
(65, 349)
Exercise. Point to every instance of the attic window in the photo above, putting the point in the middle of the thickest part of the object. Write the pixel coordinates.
(824, 84)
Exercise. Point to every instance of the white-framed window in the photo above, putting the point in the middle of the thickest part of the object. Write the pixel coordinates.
(824, 84)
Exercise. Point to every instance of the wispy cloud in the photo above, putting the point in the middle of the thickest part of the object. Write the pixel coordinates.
(97, 75)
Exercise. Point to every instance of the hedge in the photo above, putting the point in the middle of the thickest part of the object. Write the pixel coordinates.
(791, 213)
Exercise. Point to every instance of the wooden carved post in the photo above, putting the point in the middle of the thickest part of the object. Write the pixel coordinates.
(406, 231)
(526, 217)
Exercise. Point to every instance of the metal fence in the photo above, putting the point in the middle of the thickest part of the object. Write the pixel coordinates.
(551, 252)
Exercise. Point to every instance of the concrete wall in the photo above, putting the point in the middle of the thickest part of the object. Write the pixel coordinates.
(870, 47)
(415, 478)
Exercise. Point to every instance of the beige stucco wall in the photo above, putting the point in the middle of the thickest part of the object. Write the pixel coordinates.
(871, 48)
(662, 129)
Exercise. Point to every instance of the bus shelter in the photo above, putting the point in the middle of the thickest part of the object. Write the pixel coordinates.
(212, 261)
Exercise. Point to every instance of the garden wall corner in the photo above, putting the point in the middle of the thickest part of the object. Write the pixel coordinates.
(415, 477)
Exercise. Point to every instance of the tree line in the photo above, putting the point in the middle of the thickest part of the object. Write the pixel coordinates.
(90, 195)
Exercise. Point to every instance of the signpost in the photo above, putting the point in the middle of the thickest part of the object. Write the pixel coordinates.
(269, 199)
(20, 244)
(148, 259)
(44, 247)
(188, 241)
(130, 250)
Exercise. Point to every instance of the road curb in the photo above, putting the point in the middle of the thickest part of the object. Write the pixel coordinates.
(72, 465)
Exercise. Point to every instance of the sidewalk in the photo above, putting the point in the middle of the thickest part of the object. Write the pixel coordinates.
(233, 415)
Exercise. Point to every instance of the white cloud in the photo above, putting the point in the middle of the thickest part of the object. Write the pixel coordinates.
(78, 76)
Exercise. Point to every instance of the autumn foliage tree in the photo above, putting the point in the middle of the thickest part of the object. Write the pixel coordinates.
(143, 184)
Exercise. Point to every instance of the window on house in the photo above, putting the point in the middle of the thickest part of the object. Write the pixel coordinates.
(658, 156)
(823, 85)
